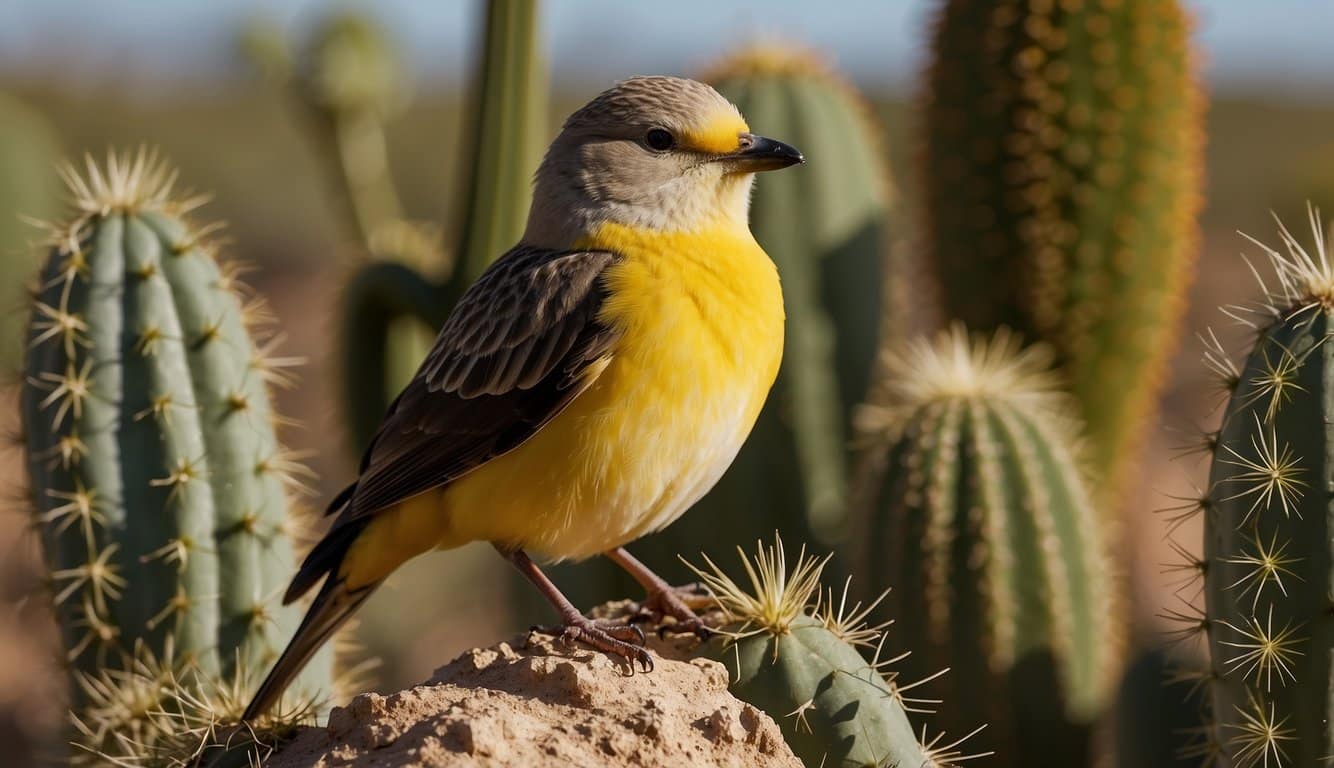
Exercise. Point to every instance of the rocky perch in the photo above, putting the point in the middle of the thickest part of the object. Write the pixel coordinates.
(535, 702)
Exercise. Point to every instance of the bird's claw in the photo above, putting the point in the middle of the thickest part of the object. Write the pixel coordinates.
(673, 603)
(623, 640)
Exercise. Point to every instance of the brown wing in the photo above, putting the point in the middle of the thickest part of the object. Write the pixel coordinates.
(511, 356)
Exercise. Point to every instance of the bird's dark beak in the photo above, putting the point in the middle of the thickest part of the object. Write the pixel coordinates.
(758, 153)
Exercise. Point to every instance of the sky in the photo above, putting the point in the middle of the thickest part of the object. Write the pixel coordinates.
(1249, 44)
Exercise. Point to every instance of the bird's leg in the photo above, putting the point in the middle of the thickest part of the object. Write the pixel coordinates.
(618, 639)
(664, 599)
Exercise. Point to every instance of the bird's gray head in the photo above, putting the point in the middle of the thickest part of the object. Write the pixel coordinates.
(661, 153)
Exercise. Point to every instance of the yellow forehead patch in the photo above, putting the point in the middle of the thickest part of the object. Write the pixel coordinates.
(718, 134)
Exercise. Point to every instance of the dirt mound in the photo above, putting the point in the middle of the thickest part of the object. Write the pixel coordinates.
(537, 703)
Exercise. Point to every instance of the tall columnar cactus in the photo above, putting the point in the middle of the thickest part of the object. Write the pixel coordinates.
(28, 187)
(1267, 537)
(793, 652)
(1063, 172)
(508, 132)
(157, 475)
(979, 517)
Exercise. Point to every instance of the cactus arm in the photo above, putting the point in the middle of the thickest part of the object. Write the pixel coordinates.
(378, 296)
(507, 138)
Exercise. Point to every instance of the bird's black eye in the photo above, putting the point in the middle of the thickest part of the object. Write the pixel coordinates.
(659, 139)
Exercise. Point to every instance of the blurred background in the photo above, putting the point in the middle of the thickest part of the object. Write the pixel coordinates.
(204, 83)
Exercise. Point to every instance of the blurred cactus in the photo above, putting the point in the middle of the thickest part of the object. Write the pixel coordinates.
(1267, 543)
(1160, 712)
(159, 482)
(979, 516)
(349, 84)
(508, 134)
(825, 225)
(793, 653)
(1063, 171)
(28, 188)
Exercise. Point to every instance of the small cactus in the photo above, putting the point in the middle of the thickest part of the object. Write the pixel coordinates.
(161, 489)
(977, 512)
(792, 652)
(1063, 167)
(1266, 564)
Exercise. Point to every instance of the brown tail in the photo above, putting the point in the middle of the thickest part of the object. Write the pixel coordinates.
(333, 605)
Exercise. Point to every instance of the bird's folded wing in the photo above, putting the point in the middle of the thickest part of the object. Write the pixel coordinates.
(513, 354)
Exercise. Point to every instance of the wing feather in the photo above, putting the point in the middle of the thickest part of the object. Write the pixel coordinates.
(512, 355)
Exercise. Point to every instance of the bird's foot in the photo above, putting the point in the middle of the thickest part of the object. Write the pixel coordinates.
(623, 640)
(680, 604)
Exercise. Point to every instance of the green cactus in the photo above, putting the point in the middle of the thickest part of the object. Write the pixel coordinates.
(1160, 712)
(28, 188)
(1267, 542)
(159, 482)
(793, 652)
(351, 82)
(508, 135)
(979, 515)
(825, 225)
(1063, 168)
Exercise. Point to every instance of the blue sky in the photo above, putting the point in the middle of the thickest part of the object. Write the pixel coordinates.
(1249, 43)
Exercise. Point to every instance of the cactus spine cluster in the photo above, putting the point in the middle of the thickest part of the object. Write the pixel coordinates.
(980, 519)
(1267, 541)
(1062, 171)
(508, 133)
(792, 651)
(825, 225)
(159, 482)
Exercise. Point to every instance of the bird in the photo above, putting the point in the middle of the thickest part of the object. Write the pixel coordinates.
(591, 385)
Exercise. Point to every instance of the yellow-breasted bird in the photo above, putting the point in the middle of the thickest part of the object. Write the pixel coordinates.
(592, 384)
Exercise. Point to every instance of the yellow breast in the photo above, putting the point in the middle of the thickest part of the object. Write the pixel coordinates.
(701, 321)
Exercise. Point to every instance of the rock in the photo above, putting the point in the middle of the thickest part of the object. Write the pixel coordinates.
(536, 702)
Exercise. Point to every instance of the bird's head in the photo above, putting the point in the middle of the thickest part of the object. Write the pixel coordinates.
(661, 153)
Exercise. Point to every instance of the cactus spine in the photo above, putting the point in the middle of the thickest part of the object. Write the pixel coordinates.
(980, 518)
(1063, 172)
(1267, 541)
(793, 653)
(158, 478)
(508, 133)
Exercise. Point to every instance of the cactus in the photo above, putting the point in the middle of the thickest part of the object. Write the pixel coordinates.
(1063, 167)
(979, 516)
(1159, 713)
(800, 663)
(1265, 569)
(508, 134)
(159, 482)
(825, 225)
(350, 83)
(28, 156)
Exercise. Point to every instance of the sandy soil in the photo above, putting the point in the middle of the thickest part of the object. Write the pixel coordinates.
(534, 702)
